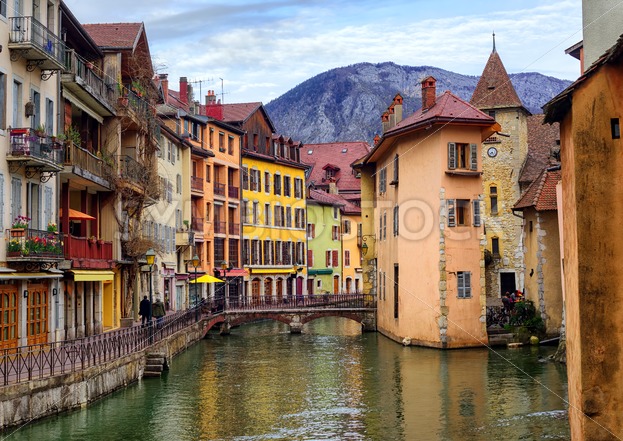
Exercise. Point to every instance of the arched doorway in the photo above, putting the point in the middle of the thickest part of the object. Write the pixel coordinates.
(336, 284)
(349, 285)
(268, 289)
(279, 290)
(255, 290)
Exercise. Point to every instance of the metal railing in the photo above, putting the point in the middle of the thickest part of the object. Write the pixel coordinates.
(29, 243)
(220, 227)
(219, 189)
(26, 143)
(234, 228)
(31, 31)
(130, 168)
(27, 363)
(77, 156)
(232, 191)
(498, 315)
(319, 301)
(94, 84)
(196, 183)
(196, 224)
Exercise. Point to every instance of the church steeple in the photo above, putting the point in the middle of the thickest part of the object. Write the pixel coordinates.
(494, 89)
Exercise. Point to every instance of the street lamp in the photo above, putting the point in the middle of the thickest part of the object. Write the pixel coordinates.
(196, 263)
(150, 257)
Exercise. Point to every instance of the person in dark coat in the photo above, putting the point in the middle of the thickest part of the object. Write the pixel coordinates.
(158, 311)
(144, 310)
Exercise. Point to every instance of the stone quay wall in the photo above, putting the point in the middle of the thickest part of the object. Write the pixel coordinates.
(26, 402)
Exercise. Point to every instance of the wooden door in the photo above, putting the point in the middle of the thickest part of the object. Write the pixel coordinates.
(279, 290)
(37, 314)
(336, 284)
(9, 312)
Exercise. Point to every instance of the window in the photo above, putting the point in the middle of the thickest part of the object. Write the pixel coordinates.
(493, 199)
(335, 258)
(3, 7)
(211, 138)
(256, 212)
(335, 232)
(382, 180)
(395, 180)
(277, 184)
(3, 88)
(221, 142)
(279, 220)
(310, 257)
(464, 283)
(245, 178)
(458, 212)
(289, 217)
(495, 246)
(311, 231)
(178, 184)
(615, 128)
(396, 291)
(35, 120)
(246, 252)
(347, 258)
(346, 226)
(336, 212)
(300, 253)
(267, 212)
(462, 156)
(17, 104)
(286, 186)
(396, 214)
(230, 145)
(328, 260)
(299, 218)
(384, 225)
(208, 174)
(298, 188)
(266, 182)
(492, 113)
(255, 252)
(255, 180)
(49, 110)
(255, 141)
(268, 259)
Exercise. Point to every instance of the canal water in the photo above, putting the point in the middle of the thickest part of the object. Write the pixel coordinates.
(330, 383)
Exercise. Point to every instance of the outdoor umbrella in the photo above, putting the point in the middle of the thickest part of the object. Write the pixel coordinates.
(76, 215)
(206, 278)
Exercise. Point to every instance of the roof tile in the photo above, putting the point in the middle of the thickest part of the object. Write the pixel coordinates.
(494, 89)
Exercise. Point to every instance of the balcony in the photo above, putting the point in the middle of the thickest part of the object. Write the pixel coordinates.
(233, 192)
(219, 189)
(86, 165)
(220, 227)
(36, 153)
(90, 253)
(234, 229)
(28, 244)
(83, 82)
(32, 41)
(197, 224)
(196, 184)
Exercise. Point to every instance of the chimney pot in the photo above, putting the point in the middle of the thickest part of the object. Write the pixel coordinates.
(429, 92)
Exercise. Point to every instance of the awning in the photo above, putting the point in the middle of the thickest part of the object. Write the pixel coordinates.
(285, 272)
(92, 276)
(319, 272)
(238, 272)
(5, 276)
(206, 278)
(76, 215)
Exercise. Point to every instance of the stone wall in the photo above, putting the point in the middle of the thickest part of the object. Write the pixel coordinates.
(25, 402)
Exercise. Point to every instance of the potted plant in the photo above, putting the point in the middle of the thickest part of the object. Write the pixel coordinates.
(40, 131)
(52, 227)
(19, 225)
(92, 239)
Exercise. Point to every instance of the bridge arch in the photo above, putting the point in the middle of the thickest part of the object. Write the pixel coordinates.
(352, 316)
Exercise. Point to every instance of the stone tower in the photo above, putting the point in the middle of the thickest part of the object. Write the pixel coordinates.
(502, 157)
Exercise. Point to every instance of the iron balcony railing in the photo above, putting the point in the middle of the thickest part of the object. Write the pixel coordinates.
(232, 191)
(293, 301)
(219, 189)
(33, 41)
(196, 183)
(220, 227)
(234, 228)
(84, 74)
(29, 243)
(26, 143)
(131, 169)
(197, 224)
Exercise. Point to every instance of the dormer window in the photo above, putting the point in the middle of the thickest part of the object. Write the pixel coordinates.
(329, 173)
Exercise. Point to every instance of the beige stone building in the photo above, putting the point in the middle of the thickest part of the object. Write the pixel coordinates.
(503, 156)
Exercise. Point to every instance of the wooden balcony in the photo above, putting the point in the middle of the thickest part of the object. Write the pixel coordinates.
(86, 165)
(220, 227)
(29, 244)
(87, 252)
(196, 184)
(83, 82)
(197, 224)
(233, 192)
(234, 228)
(39, 46)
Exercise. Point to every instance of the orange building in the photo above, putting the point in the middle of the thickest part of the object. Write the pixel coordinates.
(428, 236)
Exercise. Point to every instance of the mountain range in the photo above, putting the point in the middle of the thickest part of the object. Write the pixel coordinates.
(346, 103)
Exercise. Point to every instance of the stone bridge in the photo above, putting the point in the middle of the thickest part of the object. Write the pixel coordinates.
(296, 313)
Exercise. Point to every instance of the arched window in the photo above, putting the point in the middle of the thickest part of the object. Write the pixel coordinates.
(493, 199)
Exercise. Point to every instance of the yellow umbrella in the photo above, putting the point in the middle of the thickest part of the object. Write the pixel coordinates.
(206, 278)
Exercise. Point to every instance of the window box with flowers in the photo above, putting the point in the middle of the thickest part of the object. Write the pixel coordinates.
(19, 226)
(52, 228)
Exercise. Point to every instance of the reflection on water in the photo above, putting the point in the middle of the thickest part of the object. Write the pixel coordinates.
(330, 383)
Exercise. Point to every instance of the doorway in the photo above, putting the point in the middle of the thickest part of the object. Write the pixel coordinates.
(507, 283)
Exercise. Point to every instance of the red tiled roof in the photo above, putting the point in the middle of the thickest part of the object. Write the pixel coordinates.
(542, 192)
(542, 138)
(332, 153)
(326, 198)
(447, 106)
(494, 89)
(239, 112)
(114, 35)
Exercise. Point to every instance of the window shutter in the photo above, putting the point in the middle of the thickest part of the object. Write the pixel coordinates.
(476, 205)
(473, 152)
(310, 257)
(328, 258)
(451, 155)
(467, 284)
(2, 198)
(451, 213)
(335, 258)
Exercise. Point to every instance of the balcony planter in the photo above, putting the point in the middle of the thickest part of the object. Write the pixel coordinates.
(18, 232)
(100, 241)
(122, 101)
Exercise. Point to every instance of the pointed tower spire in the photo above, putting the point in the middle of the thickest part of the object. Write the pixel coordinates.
(494, 89)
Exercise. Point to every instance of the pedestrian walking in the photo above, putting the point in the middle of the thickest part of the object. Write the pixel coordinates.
(144, 310)
(158, 311)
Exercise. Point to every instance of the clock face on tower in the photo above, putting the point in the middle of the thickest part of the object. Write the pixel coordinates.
(492, 152)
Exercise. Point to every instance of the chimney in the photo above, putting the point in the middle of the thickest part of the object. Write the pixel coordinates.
(429, 92)
(377, 138)
(385, 121)
(213, 108)
(392, 116)
(333, 187)
(210, 98)
(398, 108)
(164, 82)
(184, 90)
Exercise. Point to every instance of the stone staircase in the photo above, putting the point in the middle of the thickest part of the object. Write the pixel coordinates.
(155, 364)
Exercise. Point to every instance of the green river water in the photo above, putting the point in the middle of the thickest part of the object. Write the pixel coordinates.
(330, 383)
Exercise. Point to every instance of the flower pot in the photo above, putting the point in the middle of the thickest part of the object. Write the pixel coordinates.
(127, 322)
(18, 232)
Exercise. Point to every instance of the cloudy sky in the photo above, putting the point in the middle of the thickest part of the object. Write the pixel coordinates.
(262, 49)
